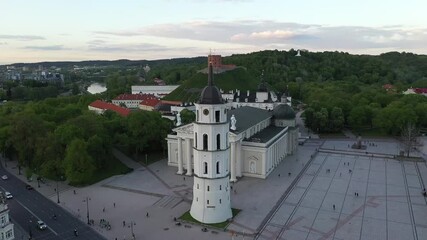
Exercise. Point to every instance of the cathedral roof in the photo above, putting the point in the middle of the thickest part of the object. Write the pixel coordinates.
(247, 117)
(283, 111)
(210, 94)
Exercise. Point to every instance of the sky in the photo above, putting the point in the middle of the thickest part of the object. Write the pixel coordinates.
(61, 30)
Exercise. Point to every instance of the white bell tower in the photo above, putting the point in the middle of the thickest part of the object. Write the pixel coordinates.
(211, 190)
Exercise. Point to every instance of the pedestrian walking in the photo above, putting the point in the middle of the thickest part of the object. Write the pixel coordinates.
(289, 174)
(147, 215)
(278, 175)
(114, 204)
(124, 223)
(184, 178)
(74, 191)
(103, 210)
(333, 206)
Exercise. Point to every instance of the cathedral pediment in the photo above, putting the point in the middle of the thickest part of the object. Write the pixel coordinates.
(186, 129)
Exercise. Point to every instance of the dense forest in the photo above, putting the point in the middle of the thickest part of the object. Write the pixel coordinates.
(60, 138)
(338, 89)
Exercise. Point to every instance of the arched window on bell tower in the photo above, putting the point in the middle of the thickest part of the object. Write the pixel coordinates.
(205, 166)
(217, 168)
(218, 141)
(205, 142)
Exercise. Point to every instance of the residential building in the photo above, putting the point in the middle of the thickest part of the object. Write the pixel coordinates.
(6, 226)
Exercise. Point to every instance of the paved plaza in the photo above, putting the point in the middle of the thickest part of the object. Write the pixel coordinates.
(310, 195)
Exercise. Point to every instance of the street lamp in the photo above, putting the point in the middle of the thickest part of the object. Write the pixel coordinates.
(131, 229)
(57, 191)
(87, 209)
(29, 231)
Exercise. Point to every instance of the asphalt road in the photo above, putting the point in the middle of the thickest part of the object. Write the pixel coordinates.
(29, 206)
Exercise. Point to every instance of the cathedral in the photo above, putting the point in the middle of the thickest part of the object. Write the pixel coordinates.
(258, 140)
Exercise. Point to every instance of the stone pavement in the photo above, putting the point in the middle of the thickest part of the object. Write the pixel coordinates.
(343, 196)
(389, 201)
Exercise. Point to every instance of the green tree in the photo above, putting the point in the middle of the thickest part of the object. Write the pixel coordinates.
(78, 164)
(187, 116)
(337, 119)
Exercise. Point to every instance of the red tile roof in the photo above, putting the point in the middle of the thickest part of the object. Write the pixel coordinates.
(109, 106)
(420, 90)
(176, 103)
(150, 101)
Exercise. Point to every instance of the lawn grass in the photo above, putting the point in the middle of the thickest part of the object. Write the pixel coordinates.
(222, 225)
(370, 132)
(113, 167)
(150, 158)
(332, 135)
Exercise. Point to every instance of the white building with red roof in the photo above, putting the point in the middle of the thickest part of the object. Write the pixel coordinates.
(100, 107)
(421, 91)
(131, 100)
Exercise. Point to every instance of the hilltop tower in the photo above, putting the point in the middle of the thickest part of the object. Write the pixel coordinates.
(211, 192)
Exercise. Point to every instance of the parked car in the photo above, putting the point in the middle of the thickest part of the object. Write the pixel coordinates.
(8, 195)
(4, 177)
(41, 225)
(29, 187)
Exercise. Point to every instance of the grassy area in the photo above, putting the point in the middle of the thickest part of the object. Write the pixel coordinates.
(151, 157)
(370, 132)
(222, 225)
(332, 135)
(190, 90)
(113, 167)
(141, 158)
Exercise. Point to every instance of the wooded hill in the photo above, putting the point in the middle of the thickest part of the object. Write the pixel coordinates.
(282, 69)
(189, 91)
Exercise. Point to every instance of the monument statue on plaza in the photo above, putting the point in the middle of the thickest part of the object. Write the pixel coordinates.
(358, 144)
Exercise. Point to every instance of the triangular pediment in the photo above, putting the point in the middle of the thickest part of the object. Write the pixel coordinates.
(188, 128)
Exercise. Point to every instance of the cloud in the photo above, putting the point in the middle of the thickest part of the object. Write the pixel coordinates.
(47, 48)
(284, 35)
(102, 46)
(22, 37)
(3, 43)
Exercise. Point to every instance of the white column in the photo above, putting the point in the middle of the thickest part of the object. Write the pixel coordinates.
(264, 163)
(239, 159)
(189, 166)
(233, 162)
(169, 152)
(180, 167)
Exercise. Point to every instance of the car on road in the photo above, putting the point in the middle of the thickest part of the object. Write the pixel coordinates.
(8, 195)
(41, 225)
(4, 177)
(29, 187)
